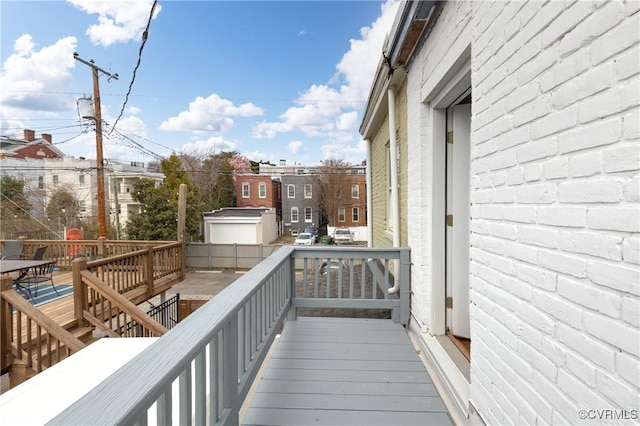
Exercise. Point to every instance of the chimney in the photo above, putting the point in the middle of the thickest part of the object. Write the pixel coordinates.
(29, 135)
(47, 137)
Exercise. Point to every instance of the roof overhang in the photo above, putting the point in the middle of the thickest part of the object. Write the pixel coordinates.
(412, 24)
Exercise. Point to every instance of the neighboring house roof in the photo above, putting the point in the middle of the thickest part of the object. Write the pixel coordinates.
(237, 213)
(29, 147)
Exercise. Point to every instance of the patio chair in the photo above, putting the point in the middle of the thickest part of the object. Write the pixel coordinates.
(38, 275)
(39, 254)
(12, 250)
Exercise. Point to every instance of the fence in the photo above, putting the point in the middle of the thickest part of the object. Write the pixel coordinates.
(227, 256)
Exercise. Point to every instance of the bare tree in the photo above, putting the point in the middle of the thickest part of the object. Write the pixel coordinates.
(333, 181)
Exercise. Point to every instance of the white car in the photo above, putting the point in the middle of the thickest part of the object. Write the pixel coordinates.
(342, 236)
(304, 239)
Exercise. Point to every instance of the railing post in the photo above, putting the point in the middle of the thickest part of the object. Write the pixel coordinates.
(292, 315)
(183, 260)
(6, 327)
(80, 302)
(148, 270)
(102, 247)
(230, 369)
(405, 277)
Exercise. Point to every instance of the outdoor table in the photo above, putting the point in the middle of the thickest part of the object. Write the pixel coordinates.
(7, 266)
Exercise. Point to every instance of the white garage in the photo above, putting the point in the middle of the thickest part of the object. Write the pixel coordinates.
(240, 226)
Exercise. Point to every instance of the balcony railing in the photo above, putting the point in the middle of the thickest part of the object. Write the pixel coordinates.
(201, 370)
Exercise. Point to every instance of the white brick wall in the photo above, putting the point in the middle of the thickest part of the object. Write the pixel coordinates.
(555, 160)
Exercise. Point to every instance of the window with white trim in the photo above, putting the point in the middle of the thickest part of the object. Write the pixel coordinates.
(56, 179)
(262, 190)
(308, 214)
(80, 181)
(291, 191)
(245, 190)
(355, 214)
(341, 214)
(307, 191)
(355, 191)
(294, 214)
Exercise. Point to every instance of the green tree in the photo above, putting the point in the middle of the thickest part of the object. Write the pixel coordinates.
(13, 202)
(158, 221)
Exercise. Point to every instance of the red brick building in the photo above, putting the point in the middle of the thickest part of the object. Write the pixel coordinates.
(258, 191)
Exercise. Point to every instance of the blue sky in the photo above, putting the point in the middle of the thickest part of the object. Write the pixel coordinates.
(271, 80)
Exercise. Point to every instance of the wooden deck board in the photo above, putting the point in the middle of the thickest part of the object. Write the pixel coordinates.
(342, 371)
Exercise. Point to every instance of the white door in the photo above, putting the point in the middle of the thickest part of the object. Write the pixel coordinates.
(457, 234)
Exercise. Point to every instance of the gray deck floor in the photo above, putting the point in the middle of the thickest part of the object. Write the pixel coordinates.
(345, 371)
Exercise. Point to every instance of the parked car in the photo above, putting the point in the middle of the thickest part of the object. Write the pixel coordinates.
(332, 265)
(342, 236)
(313, 230)
(304, 239)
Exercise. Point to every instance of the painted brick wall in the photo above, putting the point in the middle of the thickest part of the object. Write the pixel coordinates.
(452, 21)
(555, 281)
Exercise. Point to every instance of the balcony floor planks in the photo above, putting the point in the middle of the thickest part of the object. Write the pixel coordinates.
(343, 371)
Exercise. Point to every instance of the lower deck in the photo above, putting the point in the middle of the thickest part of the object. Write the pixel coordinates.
(344, 371)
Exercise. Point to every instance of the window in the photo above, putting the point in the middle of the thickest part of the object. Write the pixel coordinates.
(341, 214)
(262, 190)
(81, 181)
(245, 190)
(355, 214)
(307, 191)
(294, 214)
(40, 182)
(307, 214)
(355, 191)
(83, 206)
(291, 191)
(56, 179)
(339, 192)
(21, 177)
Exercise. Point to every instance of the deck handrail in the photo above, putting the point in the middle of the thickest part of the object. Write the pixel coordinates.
(65, 251)
(52, 334)
(105, 306)
(201, 370)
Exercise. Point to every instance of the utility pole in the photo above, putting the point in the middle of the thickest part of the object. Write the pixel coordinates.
(102, 208)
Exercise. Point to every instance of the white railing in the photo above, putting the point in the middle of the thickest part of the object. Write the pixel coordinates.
(202, 369)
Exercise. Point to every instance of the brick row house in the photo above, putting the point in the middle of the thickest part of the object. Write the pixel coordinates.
(504, 150)
(258, 191)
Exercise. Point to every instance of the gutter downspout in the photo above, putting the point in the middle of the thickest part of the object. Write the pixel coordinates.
(393, 170)
(369, 195)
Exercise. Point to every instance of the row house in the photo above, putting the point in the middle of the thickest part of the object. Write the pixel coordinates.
(23, 159)
(504, 151)
(346, 204)
(258, 191)
(300, 203)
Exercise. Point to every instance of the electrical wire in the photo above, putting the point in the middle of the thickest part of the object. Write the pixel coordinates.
(145, 36)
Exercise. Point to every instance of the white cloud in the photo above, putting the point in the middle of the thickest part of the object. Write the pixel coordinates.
(320, 109)
(353, 153)
(212, 145)
(294, 146)
(34, 79)
(302, 33)
(210, 114)
(118, 21)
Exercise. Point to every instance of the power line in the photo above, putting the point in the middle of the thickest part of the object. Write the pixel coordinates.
(145, 35)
